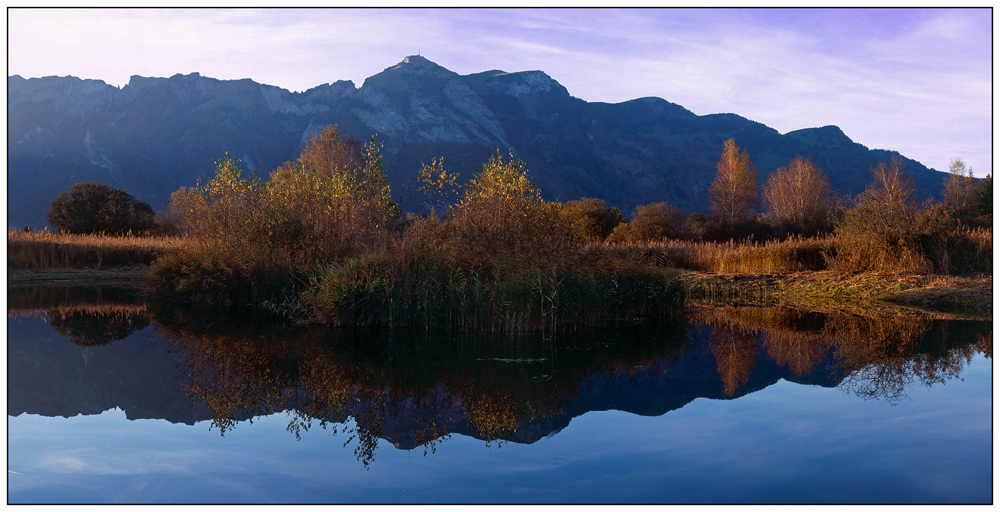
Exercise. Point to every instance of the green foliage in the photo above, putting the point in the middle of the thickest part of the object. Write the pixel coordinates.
(98, 208)
(590, 219)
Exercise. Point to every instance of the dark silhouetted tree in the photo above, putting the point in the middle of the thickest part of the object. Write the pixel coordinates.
(98, 208)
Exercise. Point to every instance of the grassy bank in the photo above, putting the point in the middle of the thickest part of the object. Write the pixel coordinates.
(604, 282)
(45, 257)
(937, 295)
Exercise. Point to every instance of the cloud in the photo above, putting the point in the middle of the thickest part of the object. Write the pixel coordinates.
(916, 80)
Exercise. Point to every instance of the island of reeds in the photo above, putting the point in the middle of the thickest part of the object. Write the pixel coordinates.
(321, 240)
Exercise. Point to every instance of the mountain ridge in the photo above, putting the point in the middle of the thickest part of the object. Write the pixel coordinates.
(154, 135)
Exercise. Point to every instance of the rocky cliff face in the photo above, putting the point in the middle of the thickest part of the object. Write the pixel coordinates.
(155, 135)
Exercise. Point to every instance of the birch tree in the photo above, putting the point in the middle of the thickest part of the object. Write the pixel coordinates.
(733, 194)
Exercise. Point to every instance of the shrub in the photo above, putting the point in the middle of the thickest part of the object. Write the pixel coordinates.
(590, 219)
(502, 213)
(878, 233)
(251, 239)
(98, 208)
(650, 222)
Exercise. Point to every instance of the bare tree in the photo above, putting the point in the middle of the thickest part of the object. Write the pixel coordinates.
(960, 186)
(798, 197)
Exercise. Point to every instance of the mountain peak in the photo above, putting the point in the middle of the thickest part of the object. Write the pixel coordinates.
(418, 64)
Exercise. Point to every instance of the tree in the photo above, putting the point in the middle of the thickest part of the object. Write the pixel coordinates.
(733, 194)
(438, 185)
(798, 197)
(651, 222)
(591, 219)
(960, 187)
(880, 231)
(984, 196)
(501, 212)
(334, 201)
(98, 208)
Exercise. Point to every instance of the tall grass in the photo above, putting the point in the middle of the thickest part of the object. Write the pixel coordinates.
(47, 250)
(401, 289)
(774, 256)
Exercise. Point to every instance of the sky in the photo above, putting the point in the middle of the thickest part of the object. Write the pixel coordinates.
(917, 81)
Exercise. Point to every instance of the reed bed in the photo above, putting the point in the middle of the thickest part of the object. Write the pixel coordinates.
(790, 255)
(48, 250)
(421, 291)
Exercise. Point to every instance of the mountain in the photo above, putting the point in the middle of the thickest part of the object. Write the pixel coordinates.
(155, 135)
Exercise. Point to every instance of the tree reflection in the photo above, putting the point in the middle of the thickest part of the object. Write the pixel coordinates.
(331, 379)
(415, 389)
(874, 357)
(90, 329)
(89, 316)
(735, 353)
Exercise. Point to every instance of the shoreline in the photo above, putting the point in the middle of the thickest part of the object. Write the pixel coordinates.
(934, 295)
(938, 296)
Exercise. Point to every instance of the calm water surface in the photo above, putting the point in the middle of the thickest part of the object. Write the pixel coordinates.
(113, 400)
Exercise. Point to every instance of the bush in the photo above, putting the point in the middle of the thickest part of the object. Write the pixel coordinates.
(651, 222)
(90, 208)
(251, 239)
(502, 213)
(877, 233)
(590, 219)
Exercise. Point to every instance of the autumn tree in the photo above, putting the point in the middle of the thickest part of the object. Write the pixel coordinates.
(651, 222)
(438, 185)
(91, 207)
(879, 231)
(501, 212)
(960, 187)
(733, 194)
(798, 197)
(251, 240)
(591, 219)
(334, 201)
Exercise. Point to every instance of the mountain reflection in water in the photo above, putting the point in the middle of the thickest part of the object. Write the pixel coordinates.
(415, 389)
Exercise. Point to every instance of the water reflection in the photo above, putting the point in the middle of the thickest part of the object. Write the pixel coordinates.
(416, 389)
(872, 357)
(87, 315)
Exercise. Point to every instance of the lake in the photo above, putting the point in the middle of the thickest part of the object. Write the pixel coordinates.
(112, 398)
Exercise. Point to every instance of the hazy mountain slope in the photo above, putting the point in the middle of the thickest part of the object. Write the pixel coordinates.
(155, 135)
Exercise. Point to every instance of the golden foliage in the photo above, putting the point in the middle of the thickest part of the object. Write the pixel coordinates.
(733, 194)
(502, 213)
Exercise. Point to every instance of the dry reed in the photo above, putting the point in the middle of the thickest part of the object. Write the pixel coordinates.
(791, 255)
(44, 249)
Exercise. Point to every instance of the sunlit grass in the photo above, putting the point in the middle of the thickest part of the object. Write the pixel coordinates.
(47, 250)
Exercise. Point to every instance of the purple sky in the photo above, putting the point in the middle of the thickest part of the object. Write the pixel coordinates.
(918, 81)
